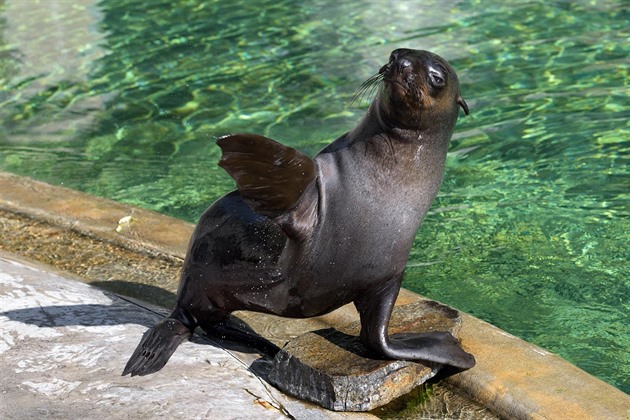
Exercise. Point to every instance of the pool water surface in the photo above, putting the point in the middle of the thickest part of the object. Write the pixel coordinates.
(530, 231)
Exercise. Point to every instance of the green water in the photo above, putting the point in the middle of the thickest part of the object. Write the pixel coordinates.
(531, 229)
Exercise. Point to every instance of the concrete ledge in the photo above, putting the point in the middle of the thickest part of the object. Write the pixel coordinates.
(513, 378)
(148, 232)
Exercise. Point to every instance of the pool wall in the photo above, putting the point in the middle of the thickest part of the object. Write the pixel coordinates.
(512, 378)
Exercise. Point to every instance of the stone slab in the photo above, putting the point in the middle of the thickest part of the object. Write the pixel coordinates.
(332, 368)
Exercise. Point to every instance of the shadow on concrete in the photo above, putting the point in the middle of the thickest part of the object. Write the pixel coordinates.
(235, 335)
(85, 315)
(145, 292)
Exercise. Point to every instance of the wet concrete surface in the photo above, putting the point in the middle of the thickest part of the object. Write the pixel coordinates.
(152, 278)
(64, 344)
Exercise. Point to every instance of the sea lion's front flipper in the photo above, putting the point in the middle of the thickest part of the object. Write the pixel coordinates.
(375, 309)
(270, 177)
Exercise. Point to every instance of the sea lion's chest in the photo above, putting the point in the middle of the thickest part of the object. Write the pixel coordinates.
(369, 215)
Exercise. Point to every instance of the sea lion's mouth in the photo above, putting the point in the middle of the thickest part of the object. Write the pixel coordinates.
(403, 87)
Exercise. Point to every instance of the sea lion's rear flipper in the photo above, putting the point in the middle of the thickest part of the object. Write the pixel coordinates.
(156, 347)
(270, 177)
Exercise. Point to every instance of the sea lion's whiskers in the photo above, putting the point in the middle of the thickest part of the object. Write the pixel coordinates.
(367, 89)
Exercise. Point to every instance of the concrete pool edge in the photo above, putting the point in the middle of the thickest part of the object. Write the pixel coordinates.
(145, 231)
(513, 378)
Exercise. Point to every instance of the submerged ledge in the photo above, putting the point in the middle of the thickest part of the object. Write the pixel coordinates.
(512, 378)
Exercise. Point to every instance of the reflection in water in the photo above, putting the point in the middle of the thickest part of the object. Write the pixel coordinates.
(530, 230)
(49, 52)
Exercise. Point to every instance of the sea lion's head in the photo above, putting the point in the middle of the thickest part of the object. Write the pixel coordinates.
(418, 89)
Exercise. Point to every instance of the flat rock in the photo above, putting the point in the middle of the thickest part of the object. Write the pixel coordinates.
(333, 369)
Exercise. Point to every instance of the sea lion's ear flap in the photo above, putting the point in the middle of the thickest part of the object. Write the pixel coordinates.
(463, 104)
(270, 177)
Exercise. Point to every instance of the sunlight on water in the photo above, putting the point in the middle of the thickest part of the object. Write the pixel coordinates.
(531, 228)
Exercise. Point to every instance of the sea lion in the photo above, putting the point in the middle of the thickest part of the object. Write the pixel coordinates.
(303, 236)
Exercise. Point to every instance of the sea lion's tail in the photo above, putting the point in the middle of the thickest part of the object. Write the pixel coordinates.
(156, 347)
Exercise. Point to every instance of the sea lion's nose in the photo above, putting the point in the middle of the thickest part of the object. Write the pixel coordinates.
(402, 63)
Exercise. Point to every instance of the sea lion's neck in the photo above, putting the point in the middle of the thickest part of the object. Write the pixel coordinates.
(375, 126)
(372, 124)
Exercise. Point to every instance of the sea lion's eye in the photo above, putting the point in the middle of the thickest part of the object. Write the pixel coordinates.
(437, 79)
